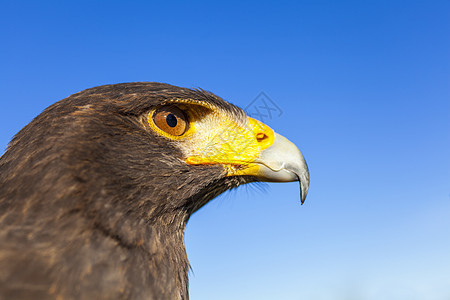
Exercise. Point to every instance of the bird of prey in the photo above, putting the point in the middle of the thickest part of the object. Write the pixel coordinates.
(96, 191)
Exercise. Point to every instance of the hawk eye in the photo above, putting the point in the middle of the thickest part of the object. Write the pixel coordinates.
(171, 119)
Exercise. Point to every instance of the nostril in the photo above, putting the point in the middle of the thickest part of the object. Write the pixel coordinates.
(260, 137)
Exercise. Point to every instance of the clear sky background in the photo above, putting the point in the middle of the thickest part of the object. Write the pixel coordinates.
(364, 89)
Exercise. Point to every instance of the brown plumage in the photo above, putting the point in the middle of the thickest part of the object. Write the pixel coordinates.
(93, 202)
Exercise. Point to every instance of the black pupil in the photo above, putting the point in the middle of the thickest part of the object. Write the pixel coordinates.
(171, 120)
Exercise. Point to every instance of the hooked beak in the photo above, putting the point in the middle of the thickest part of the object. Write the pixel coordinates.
(283, 162)
(256, 151)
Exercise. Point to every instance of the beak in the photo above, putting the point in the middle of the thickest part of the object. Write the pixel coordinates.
(258, 151)
(283, 162)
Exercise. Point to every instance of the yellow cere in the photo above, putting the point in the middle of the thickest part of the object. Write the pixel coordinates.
(236, 147)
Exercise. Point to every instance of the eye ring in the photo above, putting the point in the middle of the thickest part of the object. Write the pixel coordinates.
(171, 120)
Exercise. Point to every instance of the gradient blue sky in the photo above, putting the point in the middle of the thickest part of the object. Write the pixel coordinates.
(364, 87)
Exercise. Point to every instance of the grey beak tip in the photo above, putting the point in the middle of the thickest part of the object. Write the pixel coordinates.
(302, 195)
(304, 185)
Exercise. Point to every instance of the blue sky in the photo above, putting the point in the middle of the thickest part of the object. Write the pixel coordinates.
(364, 89)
